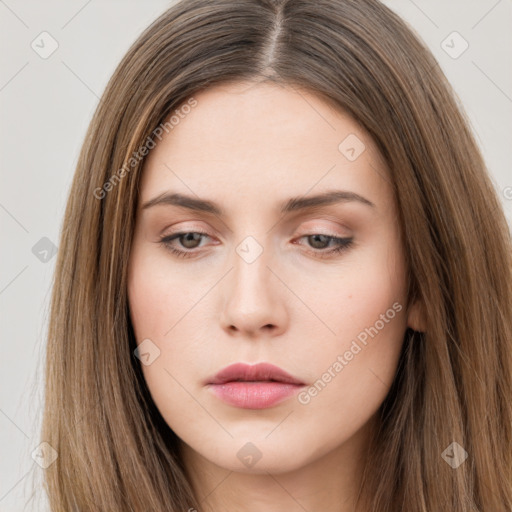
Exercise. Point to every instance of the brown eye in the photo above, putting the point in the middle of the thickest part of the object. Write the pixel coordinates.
(319, 241)
(187, 240)
(190, 240)
(327, 245)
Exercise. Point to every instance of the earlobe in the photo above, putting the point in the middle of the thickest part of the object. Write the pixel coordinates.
(416, 317)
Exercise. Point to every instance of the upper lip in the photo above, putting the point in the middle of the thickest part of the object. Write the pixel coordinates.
(257, 372)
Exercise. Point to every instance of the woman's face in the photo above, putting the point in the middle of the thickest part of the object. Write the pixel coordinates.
(273, 270)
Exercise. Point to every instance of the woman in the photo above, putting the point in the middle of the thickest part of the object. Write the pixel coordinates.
(284, 277)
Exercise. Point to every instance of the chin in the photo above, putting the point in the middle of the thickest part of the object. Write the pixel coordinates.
(260, 456)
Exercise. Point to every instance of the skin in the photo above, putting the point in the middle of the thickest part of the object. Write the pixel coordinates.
(250, 147)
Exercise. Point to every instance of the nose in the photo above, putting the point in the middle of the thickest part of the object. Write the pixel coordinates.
(254, 299)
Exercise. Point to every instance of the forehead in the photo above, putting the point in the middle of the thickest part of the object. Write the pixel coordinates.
(263, 140)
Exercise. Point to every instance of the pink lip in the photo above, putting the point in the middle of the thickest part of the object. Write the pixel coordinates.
(253, 387)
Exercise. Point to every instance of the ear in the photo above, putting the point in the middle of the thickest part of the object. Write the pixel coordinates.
(416, 318)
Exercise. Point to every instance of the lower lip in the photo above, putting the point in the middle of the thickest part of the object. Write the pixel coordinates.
(254, 395)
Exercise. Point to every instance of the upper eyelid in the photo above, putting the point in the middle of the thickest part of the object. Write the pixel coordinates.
(178, 234)
(308, 230)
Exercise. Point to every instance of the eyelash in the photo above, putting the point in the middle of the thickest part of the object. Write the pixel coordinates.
(343, 244)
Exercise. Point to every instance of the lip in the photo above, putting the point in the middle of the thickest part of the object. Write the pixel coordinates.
(256, 386)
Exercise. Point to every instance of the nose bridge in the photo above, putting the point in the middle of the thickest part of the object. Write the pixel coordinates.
(251, 273)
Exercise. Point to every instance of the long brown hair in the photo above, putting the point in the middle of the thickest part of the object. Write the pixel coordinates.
(454, 381)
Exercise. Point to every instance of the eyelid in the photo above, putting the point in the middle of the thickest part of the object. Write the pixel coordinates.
(312, 227)
(302, 232)
(322, 231)
(187, 228)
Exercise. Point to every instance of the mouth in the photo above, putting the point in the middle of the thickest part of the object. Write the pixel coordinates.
(257, 386)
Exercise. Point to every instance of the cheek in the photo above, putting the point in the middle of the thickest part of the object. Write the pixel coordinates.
(159, 301)
(159, 297)
(354, 368)
(352, 296)
(163, 308)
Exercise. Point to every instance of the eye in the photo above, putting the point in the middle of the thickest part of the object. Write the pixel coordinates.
(190, 240)
(319, 242)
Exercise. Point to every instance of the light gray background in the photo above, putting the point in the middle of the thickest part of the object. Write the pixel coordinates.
(46, 105)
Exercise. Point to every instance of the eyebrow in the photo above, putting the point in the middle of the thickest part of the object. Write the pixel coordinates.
(292, 205)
